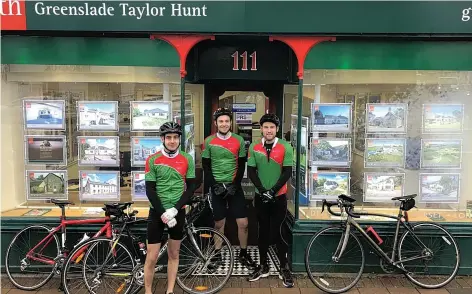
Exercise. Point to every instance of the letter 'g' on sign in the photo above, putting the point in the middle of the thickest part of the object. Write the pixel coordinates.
(465, 14)
(13, 15)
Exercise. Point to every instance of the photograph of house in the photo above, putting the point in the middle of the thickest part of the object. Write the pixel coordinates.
(98, 151)
(45, 149)
(334, 117)
(386, 118)
(99, 186)
(97, 115)
(44, 114)
(143, 147)
(330, 152)
(382, 187)
(445, 153)
(44, 185)
(385, 153)
(149, 115)
(440, 188)
(443, 118)
(138, 184)
(329, 185)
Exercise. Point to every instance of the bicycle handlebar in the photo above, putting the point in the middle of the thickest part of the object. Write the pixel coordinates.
(347, 207)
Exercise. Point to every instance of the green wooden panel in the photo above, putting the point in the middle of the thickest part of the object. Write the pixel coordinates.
(391, 55)
(88, 51)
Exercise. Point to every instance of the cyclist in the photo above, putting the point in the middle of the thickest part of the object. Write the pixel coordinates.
(224, 162)
(168, 172)
(269, 169)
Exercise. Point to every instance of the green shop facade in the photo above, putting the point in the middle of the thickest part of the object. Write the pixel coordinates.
(403, 69)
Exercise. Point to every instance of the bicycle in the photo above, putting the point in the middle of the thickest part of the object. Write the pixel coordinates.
(50, 259)
(405, 258)
(127, 275)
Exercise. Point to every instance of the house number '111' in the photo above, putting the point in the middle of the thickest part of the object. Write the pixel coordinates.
(236, 56)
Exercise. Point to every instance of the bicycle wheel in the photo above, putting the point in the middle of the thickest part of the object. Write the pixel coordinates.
(205, 274)
(324, 271)
(106, 265)
(439, 249)
(28, 274)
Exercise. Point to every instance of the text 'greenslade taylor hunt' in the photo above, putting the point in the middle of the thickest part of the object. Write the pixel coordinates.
(120, 8)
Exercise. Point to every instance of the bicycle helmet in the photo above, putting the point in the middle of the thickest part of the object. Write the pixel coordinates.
(170, 128)
(269, 117)
(222, 111)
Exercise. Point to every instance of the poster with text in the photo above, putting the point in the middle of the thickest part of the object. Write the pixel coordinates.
(44, 114)
(331, 152)
(41, 150)
(439, 188)
(189, 130)
(386, 118)
(331, 117)
(382, 187)
(149, 115)
(98, 151)
(385, 153)
(329, 185)
(303, 152)
(446, 153)
(97, 115)
(138, 186)
(443, 118)
(99, 186)
(143, 147)
(46, 184)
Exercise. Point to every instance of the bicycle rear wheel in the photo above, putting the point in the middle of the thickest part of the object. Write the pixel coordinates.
(328, 274)
(207, 274)
(24, 272)
(437, 248)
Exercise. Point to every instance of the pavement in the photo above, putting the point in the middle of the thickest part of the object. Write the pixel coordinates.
(369, 284)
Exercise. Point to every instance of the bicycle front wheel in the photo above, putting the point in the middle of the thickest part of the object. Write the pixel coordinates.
(202, 268)
(326, 269)
(99, 265)
(430, 255)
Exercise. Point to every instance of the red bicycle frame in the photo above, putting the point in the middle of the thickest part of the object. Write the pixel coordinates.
(62, 227)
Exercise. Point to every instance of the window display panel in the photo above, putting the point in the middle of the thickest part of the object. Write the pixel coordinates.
(410, 133)
(66, 124)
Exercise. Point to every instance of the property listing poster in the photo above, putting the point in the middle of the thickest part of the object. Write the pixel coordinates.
(303, 153)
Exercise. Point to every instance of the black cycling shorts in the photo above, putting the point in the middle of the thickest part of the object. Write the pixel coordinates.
(155, 227)
(232, 205)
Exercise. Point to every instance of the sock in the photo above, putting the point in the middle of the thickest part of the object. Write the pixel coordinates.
(243, 252)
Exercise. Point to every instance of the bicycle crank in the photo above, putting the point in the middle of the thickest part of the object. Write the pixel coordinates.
(387, 268)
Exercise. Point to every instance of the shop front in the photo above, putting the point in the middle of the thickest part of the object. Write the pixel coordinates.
(375, 98)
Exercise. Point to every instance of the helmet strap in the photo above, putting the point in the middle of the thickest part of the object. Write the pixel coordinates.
(168, 153)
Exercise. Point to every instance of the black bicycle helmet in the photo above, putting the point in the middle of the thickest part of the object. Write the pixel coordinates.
(222, 111)
(170, 128)
(269, 117)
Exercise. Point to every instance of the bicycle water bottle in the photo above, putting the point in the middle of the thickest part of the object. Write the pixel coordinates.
(370, 230)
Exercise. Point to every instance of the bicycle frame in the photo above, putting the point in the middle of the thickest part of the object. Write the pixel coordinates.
(62, 227)
(401, 219)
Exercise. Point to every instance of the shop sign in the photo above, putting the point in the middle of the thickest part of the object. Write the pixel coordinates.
(243, 118)
(244, 107)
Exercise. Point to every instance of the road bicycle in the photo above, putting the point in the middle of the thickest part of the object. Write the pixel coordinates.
(39, 261)
(117, 264)
(342, 262)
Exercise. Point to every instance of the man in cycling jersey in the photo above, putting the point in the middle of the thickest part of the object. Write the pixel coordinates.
(168, 172)
(224, 162)
(269, 169)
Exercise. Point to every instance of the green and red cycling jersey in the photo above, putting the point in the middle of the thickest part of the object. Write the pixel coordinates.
(224, 154)
(170, 175)
(269, 169)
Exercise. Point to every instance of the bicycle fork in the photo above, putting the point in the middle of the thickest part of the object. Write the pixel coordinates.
(342, 244)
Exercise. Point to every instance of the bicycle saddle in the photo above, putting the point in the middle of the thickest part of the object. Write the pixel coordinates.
(404, 198)
(346, 198)
(62, 202)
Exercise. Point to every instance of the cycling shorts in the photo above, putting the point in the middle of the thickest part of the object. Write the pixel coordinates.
(155, 227)
(234, 206)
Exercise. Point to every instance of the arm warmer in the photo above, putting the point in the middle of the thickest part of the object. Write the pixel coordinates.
(191, 187)
(151, 194)
(286, 174)
(208, 174)
(252, 174)
(240, 173)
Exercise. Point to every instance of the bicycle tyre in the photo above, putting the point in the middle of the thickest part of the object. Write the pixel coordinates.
(450, 239)
(321, 286)
(88, 250)
(7, 263)
(225, 242)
